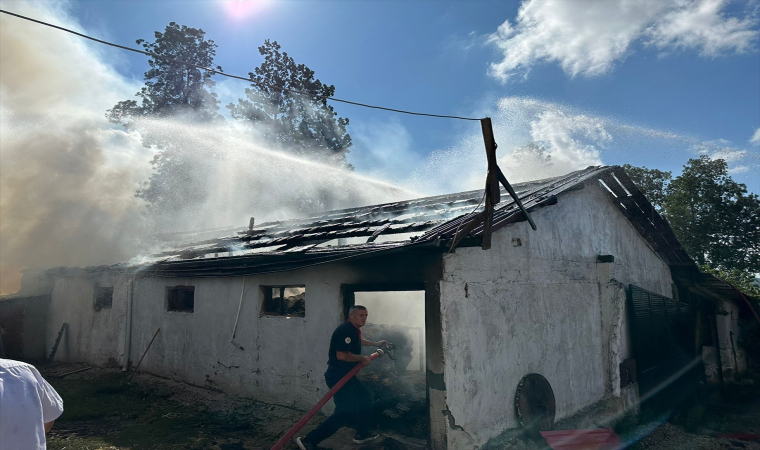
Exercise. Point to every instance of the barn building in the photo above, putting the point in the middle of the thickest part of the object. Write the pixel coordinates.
(598, 307)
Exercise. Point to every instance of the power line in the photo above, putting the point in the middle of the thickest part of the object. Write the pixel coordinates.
(209, 69)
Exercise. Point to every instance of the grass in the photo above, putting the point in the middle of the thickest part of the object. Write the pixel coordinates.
(109, 414)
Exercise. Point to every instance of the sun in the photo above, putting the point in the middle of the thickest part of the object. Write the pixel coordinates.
(243, 9)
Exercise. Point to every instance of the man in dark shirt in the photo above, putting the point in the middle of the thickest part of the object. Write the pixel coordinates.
(353, 403)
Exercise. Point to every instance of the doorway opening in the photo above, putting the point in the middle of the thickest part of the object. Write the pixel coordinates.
(398, 384)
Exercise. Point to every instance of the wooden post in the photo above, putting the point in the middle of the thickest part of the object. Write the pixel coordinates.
(143, 355)
(490, 143)
(492, 183)
(73, 372)
(511, 191)
(492, 193)
(57, 341)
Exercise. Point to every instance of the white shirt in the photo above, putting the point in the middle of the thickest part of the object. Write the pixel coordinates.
(27, 402)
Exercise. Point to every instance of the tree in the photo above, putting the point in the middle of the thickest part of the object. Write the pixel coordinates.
(304, 124)
(714, 217)
(181, 92)
(652, 182)
(171, 88)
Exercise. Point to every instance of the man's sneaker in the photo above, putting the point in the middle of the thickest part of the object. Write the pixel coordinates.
(361, 438)
(305, 445)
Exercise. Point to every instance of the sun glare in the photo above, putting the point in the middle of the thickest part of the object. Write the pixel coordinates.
(243, 9)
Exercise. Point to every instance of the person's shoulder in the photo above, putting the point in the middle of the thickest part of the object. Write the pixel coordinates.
(8, 363)
(344, 328)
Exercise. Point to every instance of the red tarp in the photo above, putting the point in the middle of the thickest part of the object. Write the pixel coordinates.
(593, 439)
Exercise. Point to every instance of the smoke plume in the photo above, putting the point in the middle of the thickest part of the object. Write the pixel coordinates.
(68, 177)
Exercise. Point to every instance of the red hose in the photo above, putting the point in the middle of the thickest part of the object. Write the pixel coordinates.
(292, 432)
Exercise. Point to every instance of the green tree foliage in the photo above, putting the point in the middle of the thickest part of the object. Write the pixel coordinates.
(715, 218)
(171, 88)
(652, 182)
(177, 91)
(303, 124)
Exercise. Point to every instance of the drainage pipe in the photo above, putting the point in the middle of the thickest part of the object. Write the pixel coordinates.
(128, 324)
(240, 306)
(292, 432)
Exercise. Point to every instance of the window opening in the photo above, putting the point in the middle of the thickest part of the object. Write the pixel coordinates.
(180, 298)
(103, 297)
(288, 301)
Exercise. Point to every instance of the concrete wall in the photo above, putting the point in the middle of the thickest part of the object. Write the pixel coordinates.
(732, 357)
(275, 359)
(95, 337)
(538, 302)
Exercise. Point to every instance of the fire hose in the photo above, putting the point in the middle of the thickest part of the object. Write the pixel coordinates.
(359, 366)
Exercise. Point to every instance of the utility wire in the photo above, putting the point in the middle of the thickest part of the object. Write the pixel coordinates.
(209, 69)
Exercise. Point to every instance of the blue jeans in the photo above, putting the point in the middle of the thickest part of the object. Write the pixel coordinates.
(353, 408)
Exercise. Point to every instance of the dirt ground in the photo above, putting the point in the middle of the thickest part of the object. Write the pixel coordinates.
(104, 411)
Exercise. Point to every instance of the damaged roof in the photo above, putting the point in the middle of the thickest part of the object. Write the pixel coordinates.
(427, 223)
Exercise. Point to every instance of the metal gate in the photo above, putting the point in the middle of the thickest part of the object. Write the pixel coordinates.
(663, 338)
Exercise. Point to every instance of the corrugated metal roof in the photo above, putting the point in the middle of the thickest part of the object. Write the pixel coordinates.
(420, 225)
(334, 235)
(424, 224)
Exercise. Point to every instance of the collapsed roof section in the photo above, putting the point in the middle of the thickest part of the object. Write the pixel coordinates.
(421, 225)
(424, 224)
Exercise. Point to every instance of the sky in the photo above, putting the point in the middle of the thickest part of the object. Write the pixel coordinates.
(649, 82)
(684, 75)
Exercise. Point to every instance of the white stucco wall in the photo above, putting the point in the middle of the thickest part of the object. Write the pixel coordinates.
(282, 360)
(544, 306)
(92, 336)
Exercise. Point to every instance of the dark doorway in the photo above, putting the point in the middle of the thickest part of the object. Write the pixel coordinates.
(663, 345)
(398, 385)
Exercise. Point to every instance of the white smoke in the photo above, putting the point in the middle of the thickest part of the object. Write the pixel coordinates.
(240, 178)
(68, 177)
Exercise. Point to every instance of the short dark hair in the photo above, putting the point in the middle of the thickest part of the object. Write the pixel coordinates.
(356, 307)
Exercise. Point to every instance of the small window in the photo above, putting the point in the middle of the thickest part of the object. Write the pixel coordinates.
(103, 297)
(287, 301)
(180, 298)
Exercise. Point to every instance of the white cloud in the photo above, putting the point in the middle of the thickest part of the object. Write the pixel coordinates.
(701, 26)
(729, 154)
(590, 37)
(739, 161)
(755, 139)
(463, 44)
(571, 139)
(738, 169)
(720, 149)
(565, 140)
